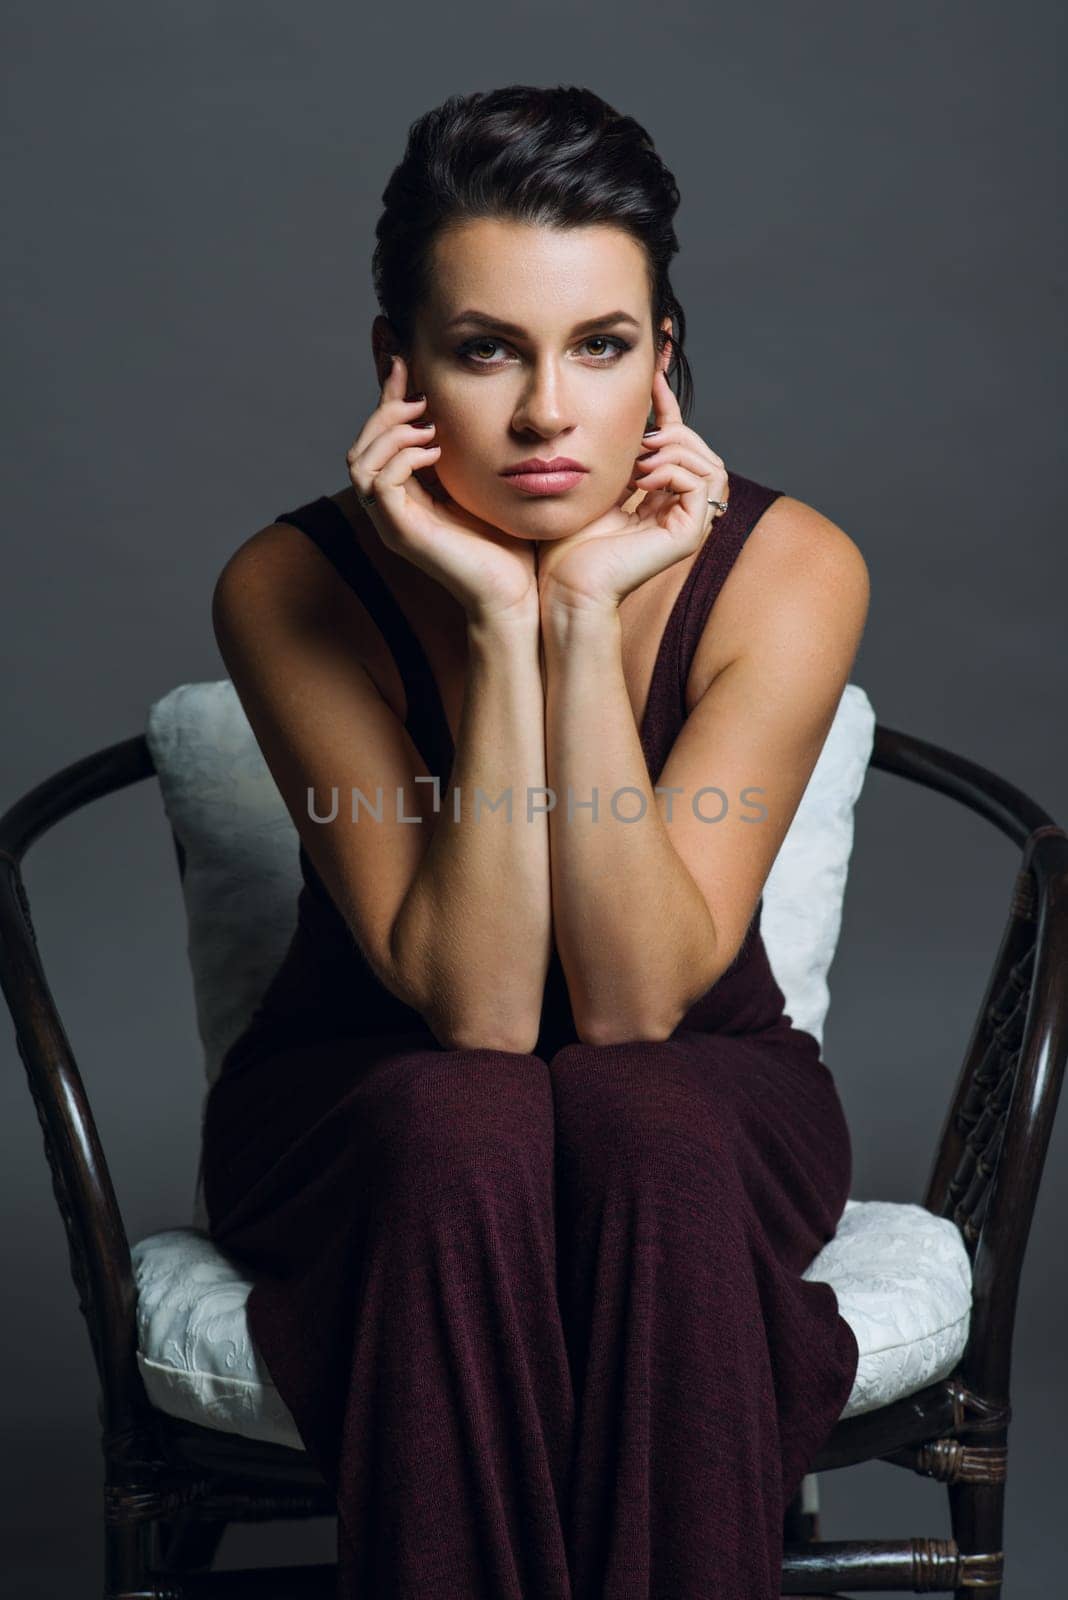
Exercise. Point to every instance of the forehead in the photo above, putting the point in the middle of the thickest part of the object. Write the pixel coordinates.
(536, 275)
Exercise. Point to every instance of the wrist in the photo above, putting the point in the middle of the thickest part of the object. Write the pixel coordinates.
(570, 617)
(517, 622)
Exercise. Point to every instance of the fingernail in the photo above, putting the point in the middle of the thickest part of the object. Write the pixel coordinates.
(423, 423)
(419, 396)
(647, 455)
(649, 432)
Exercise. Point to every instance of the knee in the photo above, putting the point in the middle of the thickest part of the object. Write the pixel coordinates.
(644, 1109)
(464, 1116)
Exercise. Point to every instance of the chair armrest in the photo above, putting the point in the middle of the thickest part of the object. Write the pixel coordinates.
(992, 1149)
(96, 1236)
(976, 787)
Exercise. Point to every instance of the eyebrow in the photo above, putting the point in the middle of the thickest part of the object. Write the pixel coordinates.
(482, 319)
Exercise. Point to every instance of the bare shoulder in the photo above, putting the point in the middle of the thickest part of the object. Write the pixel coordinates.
(278, 562)
(797, 571)
(802, 562)
(279, 573)
(279, 585)
(809, 535)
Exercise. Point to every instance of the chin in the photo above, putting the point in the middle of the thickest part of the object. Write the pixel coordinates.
(552, 535)
(548, 517)
(547, 530)
(540, 517)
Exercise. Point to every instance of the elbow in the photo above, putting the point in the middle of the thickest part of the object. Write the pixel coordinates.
(650, 1028)
(616, 1030)
(465, 1021)
(510, 1041)
(512, 1033)
(460, 1026)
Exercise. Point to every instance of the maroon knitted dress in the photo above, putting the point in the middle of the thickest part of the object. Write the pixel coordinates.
(540, 1319)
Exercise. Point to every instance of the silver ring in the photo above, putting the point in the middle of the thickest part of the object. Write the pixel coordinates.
(365, 499)
(720, 505)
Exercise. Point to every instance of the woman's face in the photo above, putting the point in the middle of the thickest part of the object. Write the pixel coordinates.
(526, 377)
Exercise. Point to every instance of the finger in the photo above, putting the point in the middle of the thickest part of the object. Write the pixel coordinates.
(675, 477)
(679, 433)
(383, 416)
(696, 461)
(370, 483)
(665, 406)
(396, 384)
(691, 488)
(375, 454)
(395, 474)
(398, 381)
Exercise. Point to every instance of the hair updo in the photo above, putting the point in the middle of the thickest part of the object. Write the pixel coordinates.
(559, 157)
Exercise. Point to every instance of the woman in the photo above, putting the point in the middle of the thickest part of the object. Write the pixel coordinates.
(525, 1154)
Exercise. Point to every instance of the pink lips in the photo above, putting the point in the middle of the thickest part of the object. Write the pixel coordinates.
(536, 476)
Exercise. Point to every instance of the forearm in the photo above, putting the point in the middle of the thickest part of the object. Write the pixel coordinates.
(613, 881)
(473, 935)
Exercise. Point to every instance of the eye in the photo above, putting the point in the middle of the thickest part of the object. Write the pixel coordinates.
(468, 351)
(616, 348)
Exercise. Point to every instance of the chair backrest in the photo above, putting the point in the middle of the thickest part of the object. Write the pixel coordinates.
(241, 876)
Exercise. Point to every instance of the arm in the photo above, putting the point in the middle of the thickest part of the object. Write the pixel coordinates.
(648, 914)
(476, 922)
(453, 917)
(630, 921)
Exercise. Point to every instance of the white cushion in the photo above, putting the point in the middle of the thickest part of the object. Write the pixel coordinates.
(902, 1277)
(242, 876)
(803, 894)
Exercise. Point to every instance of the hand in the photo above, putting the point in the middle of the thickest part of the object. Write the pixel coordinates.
(490, 573)
(618, 551)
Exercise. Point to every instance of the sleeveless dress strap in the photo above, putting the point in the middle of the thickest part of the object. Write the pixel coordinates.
(666, 707)
(748, 502)
(327, 526)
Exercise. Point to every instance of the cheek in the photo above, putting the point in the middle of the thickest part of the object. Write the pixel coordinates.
(623, 441)
(631, 409)
(454, 408)
(462, 422)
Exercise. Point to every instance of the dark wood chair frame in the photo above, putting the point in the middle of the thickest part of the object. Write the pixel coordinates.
(171, 1487)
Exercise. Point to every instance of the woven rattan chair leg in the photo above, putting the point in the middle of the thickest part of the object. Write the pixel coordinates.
(977, 1512)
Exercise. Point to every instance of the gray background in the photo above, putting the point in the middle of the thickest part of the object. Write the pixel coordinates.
(872, 267)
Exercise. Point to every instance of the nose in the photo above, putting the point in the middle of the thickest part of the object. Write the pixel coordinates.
(543, 407)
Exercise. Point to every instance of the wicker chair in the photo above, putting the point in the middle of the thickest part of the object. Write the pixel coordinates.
(172, 1487)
